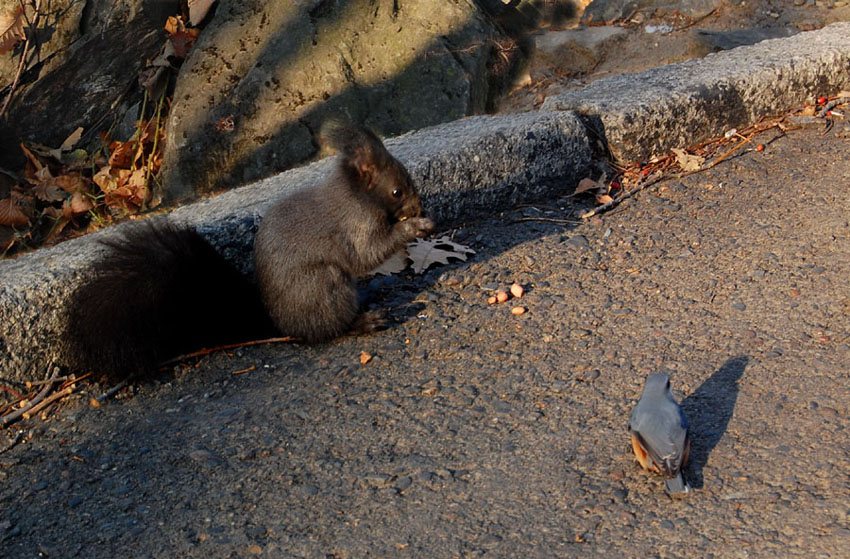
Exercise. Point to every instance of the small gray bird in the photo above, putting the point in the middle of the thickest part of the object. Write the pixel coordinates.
(659, 432)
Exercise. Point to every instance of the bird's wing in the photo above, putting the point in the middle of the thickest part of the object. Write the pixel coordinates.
(664, 438)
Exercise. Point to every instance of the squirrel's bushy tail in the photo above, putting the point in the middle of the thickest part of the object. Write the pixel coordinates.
(161, 291)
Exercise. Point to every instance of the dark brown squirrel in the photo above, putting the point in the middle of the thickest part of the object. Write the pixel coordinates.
(162, 290)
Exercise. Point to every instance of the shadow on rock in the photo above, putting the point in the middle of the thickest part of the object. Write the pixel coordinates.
(709, 410)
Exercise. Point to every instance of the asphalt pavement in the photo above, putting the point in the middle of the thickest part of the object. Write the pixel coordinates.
(474, 432)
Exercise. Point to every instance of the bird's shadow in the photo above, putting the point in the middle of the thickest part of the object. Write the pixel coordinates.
(709, 409)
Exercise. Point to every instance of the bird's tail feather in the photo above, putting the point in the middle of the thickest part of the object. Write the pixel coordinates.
(677, 486)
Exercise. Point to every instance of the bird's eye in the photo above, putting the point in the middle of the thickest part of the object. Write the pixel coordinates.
(397, 193)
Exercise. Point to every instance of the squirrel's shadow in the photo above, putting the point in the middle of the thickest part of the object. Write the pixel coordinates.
(709, 410)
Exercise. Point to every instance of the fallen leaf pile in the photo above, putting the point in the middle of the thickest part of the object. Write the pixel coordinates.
(71, 190)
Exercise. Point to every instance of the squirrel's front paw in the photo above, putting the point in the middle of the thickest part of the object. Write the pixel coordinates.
(418, 226)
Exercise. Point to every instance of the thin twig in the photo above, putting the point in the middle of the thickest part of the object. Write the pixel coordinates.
(201, 352)
(17, 414)
(243, 371)
(50, 399)
(17, 77)
(96, 402)
(717, 161)
(50, 380)
(697, 20)
(831, 105)
(655, 178)
(547, 220)
(31, 26)
(71, 379)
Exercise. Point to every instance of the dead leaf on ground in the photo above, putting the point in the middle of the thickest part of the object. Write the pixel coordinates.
(72, 139)
(11, 29)
(182, 42)
(123, 154)
(393, 265)
(32, 160)
(423, 253)
(173, 24)
(589, 185)
(11, 213)
(79, 203)
(47, 191)
(426, 252)
(71, 183)
(687, 161)
(40, 176)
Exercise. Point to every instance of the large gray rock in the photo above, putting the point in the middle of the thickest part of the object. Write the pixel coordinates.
(468, 167)
(678, 105)
(279, 69)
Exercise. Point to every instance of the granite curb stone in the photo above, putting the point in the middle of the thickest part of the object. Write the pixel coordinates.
(682, 104)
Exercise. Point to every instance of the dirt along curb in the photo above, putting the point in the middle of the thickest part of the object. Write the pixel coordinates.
(475, 165)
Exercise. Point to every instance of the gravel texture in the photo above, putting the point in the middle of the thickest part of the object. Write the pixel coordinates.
(476, 433)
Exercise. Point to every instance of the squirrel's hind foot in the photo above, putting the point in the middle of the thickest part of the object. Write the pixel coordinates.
(368, 322)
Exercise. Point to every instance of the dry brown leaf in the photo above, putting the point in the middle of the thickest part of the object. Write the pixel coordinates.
(40, 176)
(72, 140)
(687, 161)
(52, 212)
(11, 29)
(603, 198)
(11, 213)
(137, 178)
(71, 184)
(182, 42)
(47, 191)
(56, 229)
(105, 180)
(123, 154)
(587, 185)
(426, 252)
(31, 158)
(173, 24)
(80, 203)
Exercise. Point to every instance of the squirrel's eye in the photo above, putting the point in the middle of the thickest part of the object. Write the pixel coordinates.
(397, 193)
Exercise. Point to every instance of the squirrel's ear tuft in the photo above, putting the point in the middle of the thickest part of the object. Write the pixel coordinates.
(362, 153)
